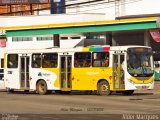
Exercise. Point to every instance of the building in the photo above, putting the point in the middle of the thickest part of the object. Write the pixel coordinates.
(46, 40)
(82, 11)
(113, 9)
(120, 22)
(23, 7)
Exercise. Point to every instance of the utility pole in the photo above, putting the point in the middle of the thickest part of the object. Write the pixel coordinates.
(56, 40)
(117, 3)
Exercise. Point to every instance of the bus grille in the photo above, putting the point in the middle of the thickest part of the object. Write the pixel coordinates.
(142, 78)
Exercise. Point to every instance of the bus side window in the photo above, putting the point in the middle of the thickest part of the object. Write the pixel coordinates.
(2, 63)
(36, 60)
(100, 59)
(49, 60)
(12, 61)
(82, 59)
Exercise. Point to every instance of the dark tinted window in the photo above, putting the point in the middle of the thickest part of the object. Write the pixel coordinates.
(100, 59)
(82, 59)
(12, 60)
(36, 60)
(49, 60)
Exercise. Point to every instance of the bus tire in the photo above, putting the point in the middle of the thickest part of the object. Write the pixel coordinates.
(128, 92)
(103, 88)
(41, 87)
(10, 90)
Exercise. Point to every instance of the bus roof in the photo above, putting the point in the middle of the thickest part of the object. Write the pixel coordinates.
(76, 49)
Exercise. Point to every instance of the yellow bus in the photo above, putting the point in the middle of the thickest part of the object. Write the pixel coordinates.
(95, 68)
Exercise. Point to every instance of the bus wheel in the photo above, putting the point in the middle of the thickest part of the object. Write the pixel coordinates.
(128, 92)
(10, 90)
(103, 88)
(41, 87)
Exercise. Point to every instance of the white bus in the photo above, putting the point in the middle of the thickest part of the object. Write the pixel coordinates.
(96, 68)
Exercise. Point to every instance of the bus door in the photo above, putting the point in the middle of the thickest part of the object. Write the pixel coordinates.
(12, 71)
(65, 72)
(118, 71)
(24, 72)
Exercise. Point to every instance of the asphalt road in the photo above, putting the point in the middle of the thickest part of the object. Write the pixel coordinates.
(82, 105)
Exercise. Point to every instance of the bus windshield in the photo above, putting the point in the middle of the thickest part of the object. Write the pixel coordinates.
(139, 62)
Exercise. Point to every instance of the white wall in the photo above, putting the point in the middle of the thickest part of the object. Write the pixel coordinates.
(142, 7)
(101, 7)
(73, 40)
(126, 7)
(48, 19)
(102, 10)
(34, 44)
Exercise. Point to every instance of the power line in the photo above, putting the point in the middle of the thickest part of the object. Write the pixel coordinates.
(133, 1)
(68, 5)
(82, 3)
(91, 4)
